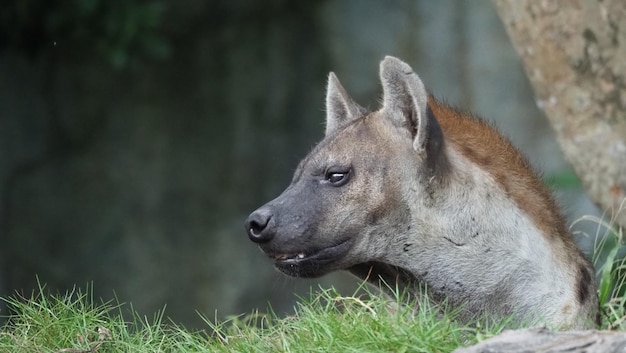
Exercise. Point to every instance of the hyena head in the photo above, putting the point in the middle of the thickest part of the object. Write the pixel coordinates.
(347, 204)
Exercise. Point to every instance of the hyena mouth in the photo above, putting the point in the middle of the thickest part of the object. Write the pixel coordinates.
(283, 257)
(311, 264)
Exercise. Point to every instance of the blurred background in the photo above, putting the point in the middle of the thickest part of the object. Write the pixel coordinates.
(136, 136)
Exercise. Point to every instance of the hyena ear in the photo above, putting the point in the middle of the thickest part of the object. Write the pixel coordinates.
(405, 103)
(340, 108)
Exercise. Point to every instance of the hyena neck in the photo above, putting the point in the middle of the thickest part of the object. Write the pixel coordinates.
(489, 235)
(482, 146)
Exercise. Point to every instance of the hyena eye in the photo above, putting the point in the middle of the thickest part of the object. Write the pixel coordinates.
(337, 176)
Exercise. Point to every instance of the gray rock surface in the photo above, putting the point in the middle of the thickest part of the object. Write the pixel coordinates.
(546, 341)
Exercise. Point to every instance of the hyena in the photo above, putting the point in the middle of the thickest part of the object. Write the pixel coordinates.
(431, 200)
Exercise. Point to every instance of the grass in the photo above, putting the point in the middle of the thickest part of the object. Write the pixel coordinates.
(323, 322)
(609, 259)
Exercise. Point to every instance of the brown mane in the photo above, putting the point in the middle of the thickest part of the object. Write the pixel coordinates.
(482, 144)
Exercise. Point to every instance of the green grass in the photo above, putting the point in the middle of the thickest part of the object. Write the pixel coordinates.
(609, 259)
(324, 322)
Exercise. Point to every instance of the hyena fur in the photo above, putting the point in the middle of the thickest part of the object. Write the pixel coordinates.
(426, 197)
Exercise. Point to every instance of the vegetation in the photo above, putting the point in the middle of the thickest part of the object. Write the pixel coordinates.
(326, 322)
(609, 259)
(118, 30)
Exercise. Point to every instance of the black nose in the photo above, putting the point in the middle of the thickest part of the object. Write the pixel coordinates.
(259, 225)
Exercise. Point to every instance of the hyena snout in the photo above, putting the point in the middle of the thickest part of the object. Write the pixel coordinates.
(261, 225)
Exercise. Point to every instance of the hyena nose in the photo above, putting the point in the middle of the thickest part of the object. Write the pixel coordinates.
(259, 226)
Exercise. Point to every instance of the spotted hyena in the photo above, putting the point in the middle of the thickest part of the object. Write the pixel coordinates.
(432, 199)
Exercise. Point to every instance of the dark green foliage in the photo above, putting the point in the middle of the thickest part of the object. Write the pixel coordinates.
(118, 30)
(563, 180)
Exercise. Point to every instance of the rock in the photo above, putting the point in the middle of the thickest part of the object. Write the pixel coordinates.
(546, 341)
